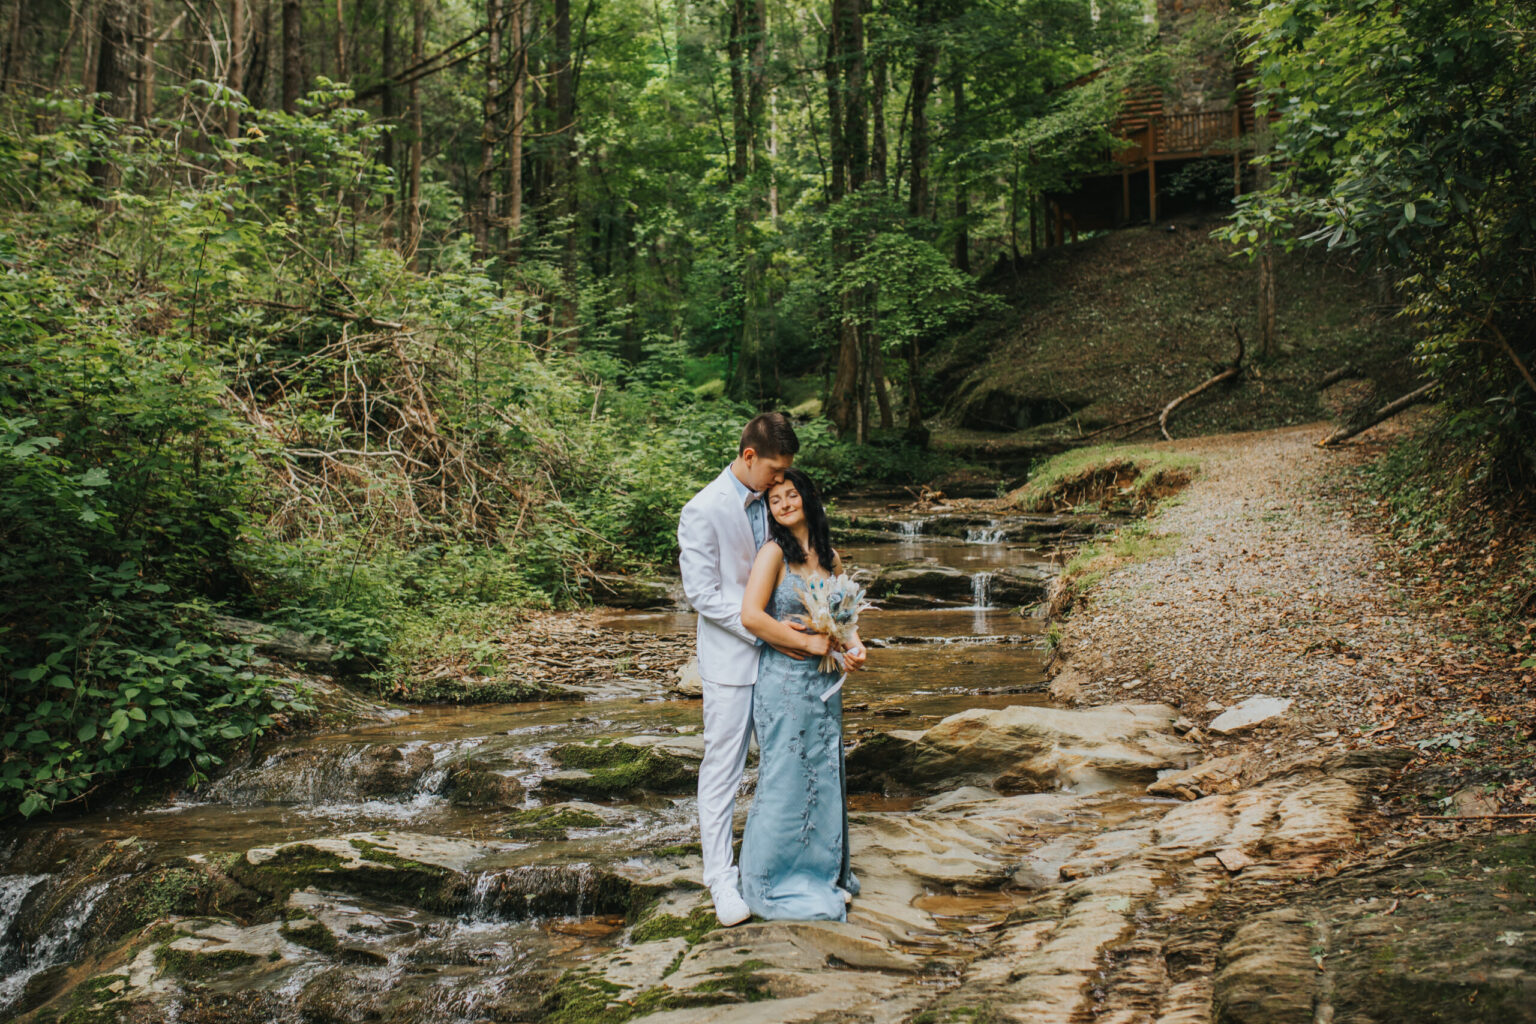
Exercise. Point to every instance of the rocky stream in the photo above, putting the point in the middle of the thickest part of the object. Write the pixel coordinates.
(538, 861)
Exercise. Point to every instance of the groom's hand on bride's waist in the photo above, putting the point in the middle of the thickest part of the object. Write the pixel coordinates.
(811, 643)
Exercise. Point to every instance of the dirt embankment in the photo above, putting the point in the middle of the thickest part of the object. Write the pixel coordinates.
(1094, 333)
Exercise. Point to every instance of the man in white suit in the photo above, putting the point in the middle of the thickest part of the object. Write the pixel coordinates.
(719, 533)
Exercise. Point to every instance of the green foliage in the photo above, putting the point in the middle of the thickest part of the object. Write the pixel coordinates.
(1408, 131)
(123, 486)
(1107, 476)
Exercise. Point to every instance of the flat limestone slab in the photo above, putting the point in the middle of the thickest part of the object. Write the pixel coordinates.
(1251, 713)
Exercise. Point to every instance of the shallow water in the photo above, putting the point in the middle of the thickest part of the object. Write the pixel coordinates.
(924, 665)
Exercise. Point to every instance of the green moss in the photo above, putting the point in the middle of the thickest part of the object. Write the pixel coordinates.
(198, 966)
(623, 768)
(1106, 476)
(957, 1015)
(742, 981)
(382, 873)
(384, 855)
(292, 867)
(174, 891)
(450, 690)
(312, 935)
(548, 823)
(680, 850)
(581, 997)
(668, 926)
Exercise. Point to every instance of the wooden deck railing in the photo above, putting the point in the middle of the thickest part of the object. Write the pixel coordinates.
(1176, 135)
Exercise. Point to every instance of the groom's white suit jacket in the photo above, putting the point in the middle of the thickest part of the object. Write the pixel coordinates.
(717, 553)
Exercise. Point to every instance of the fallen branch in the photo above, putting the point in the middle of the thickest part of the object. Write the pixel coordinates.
(1387, 411)
(1347, 370)
(1116, 426)
(330, 311)
(1227, 374)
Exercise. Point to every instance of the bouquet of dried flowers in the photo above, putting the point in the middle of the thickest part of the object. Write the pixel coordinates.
(832, 606)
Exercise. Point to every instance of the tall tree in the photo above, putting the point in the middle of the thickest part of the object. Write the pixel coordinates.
(962, 187)
(387, 105)
(748, 51)
(293, 55)
(923, 68)
(144, 101)
(518, 44)
(413, 102)
(850, 166)
(563, 186)
(234, 77)
(489, 129)
(10, 45)
(342, 72)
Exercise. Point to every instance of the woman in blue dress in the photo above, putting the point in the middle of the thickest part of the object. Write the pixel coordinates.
(794, 853)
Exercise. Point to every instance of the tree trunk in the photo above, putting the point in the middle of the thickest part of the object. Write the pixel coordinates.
(342, 72)
(10, 57)
(113, 80)
(748, 51)
(90, 68)
(293, 55)
(878, 149)
(1266, 297)
(850, 160)
(389, 113)
(413, 101)
(914, 409)
(488, 128)
(564, 186)
(515, 130)
(144, 102)
(114, 53)
(1263, 141)
(877, 376)
(962, 194)
(234, 77)
(922, 86)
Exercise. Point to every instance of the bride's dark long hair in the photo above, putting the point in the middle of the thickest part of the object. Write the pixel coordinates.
(815, 521)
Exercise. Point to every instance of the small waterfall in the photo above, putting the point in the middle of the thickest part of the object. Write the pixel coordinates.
(981, 590)
(546, 890)
(54, 946)
(991, 534)
(910, 529)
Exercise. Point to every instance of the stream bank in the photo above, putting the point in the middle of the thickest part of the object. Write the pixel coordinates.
(1094, 855)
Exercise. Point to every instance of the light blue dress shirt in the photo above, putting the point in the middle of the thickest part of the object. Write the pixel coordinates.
(757, 510)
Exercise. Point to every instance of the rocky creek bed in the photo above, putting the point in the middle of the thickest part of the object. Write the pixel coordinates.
(1093, 856)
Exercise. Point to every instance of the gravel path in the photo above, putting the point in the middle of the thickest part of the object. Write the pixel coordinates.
(1271, 590)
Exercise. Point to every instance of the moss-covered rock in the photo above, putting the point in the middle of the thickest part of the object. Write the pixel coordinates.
(470, 785)
(669, 926)
(474, 690)
(548, 824)
(201, 964)
(614, 769)
(369, 867)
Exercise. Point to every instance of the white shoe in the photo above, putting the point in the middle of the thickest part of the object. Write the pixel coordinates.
(730, 908)
(846, 895)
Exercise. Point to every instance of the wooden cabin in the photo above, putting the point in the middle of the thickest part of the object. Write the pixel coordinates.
(1210, 115)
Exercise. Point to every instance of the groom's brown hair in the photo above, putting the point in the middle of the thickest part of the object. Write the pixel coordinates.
(771, 435)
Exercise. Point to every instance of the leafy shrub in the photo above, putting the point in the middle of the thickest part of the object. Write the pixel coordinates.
(122, 485)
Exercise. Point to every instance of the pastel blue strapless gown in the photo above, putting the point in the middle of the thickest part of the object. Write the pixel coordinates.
(794, 853)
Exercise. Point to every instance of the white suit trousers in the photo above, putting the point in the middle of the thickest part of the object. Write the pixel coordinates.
(727, 733)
